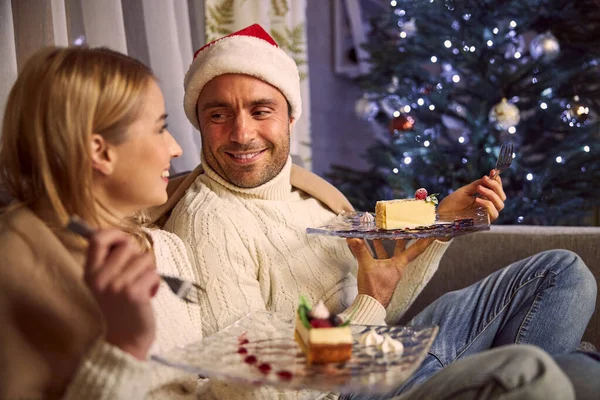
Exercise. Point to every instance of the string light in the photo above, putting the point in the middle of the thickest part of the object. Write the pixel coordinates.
(513, 24)
(495, 30)
(559, 159)
(461, 139)
(586, 149)
(543, 105)
(433, 59)
(490, 43)
(407, 160)
(432, 107)
(407, 109)
(426, 143)
(448, 44)
(512, 130)
(420, 102)
(529, 177)
(395, 170)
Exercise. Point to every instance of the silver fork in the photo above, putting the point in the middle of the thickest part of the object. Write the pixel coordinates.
(184, 289)
(505, 158)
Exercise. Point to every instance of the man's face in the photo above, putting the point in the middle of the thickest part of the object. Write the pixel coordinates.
(245, 129)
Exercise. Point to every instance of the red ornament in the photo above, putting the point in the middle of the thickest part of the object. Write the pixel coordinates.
(402, 123)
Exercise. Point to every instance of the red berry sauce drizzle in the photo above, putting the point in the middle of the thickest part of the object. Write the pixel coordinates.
(264, 367)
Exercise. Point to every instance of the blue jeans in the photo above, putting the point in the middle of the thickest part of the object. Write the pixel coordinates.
(545, 300)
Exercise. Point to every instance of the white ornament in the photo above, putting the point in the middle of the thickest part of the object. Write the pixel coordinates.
(391, 105)
(504, 115)
(410, 27)
(366, 109)
(544, 46)
(394, 85)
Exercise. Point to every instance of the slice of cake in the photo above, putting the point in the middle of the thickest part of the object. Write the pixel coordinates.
(322, 336)
(406, 213)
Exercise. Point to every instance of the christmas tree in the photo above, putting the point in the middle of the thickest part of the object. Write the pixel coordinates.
(450, 81)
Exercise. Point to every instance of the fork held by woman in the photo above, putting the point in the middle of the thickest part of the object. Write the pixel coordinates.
(185, 290)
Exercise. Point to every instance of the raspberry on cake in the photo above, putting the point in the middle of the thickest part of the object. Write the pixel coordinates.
(322, 336)
(406, 213)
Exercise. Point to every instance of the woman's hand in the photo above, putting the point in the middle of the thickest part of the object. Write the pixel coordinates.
(379, 277)
(123, 280)
(491, 197)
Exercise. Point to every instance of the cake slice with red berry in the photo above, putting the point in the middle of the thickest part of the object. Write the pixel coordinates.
(406, 213)
(322, 336)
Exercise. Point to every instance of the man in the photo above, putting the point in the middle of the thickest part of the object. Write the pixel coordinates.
(244, 214)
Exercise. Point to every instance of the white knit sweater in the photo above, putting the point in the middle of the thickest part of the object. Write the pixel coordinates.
(109, 373)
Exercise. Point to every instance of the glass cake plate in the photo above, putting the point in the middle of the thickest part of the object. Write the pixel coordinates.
(349, 225)
(260, 349)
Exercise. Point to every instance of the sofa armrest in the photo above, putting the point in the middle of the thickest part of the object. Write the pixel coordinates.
(473, 257)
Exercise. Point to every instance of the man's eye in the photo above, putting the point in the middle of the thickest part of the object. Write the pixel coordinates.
(262, 113)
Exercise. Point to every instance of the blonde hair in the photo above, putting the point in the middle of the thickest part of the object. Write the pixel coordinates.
(61, 97)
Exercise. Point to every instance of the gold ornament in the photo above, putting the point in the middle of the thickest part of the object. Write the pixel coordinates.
(504, 115)
(578, 111)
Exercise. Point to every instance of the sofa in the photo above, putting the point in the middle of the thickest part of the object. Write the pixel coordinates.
(472, 257)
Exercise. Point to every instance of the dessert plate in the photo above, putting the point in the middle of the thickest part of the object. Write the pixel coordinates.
(349, 225)
(259, 349)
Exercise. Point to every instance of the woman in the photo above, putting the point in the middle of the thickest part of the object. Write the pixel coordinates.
(85, 134)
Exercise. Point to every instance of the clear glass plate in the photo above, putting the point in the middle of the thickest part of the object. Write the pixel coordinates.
(349, 225)
(260, 350)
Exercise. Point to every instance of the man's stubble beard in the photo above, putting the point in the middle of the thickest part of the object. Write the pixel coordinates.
(270, 171)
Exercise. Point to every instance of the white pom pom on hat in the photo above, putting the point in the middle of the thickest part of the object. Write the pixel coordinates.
(250, 51)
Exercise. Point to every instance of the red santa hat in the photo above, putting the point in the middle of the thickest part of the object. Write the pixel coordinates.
(250, 51)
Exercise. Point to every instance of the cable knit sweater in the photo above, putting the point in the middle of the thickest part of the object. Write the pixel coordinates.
(249, 251)
(108, 373)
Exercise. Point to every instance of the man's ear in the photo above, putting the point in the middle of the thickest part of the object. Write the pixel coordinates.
(102, 155)
(291, 124)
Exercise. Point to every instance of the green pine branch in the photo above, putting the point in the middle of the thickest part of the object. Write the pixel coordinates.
(293, 42)
(218, 19)
(280, 7)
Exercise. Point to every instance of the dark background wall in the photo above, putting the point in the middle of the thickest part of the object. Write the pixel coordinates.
(338, 136)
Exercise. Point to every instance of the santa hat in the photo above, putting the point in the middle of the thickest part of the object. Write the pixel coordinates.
(251, 51)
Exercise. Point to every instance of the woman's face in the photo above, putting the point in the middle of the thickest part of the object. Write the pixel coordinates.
(140, 164)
